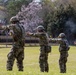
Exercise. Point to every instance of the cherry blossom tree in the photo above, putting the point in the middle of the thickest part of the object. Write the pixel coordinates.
(30, 16)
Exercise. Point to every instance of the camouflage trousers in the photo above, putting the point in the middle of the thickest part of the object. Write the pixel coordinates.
(62, 61)
(43, 60)
(18, 54)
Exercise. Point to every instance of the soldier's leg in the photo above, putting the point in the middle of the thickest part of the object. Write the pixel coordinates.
(10, 61)
(46, 63)
(65, 60)
(42, 58)
(61, 63)
(63, 66)
(46, 67)
(41, 62)
(20, 58)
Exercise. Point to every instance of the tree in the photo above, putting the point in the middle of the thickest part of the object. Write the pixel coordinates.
(14, 6)
(57, 15)
(48, 15)
(31, 16)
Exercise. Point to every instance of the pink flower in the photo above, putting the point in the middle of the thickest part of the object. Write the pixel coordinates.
(30, 16)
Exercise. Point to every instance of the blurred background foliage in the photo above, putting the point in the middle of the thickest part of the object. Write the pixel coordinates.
(57, 15)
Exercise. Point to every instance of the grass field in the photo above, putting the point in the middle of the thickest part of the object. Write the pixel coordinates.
(31, 65)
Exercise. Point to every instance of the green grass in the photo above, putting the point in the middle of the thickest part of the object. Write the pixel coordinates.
(31, 65)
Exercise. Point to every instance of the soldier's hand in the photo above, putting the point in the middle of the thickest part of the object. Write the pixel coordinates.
(11, 32)
(1, 27)
(28, 33)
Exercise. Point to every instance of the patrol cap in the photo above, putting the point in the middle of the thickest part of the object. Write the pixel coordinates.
(14, 19)
(62, 35)
(40, 28)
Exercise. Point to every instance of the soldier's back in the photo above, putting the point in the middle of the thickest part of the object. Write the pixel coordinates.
(44, 39)
(19, 35)
(64, 45)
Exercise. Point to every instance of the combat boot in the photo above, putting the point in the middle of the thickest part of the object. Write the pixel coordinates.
(46, 69)
(42, 69)
(62, 70)
(20, 70)
(9, 69)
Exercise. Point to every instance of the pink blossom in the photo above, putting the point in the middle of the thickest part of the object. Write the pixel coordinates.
(30, 16)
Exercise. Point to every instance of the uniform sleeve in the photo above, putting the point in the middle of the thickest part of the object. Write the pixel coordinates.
(35, 34)
(11, 32)
(8, 26)
(55, 40)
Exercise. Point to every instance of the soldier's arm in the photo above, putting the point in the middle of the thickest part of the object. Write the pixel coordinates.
(11, 33)
(7, 26)
(4, 29)
(33, 34)
(55, 40)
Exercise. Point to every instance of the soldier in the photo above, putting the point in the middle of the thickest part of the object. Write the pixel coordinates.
(44, 47)
(17, 51)
(63, 49)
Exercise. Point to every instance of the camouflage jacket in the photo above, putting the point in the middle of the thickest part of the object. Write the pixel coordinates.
(43, 38)
(18, 33)
(64, 45)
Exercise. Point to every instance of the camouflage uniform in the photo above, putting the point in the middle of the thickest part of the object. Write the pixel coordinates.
(17, 51)
(63, 49)
(44, 50)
